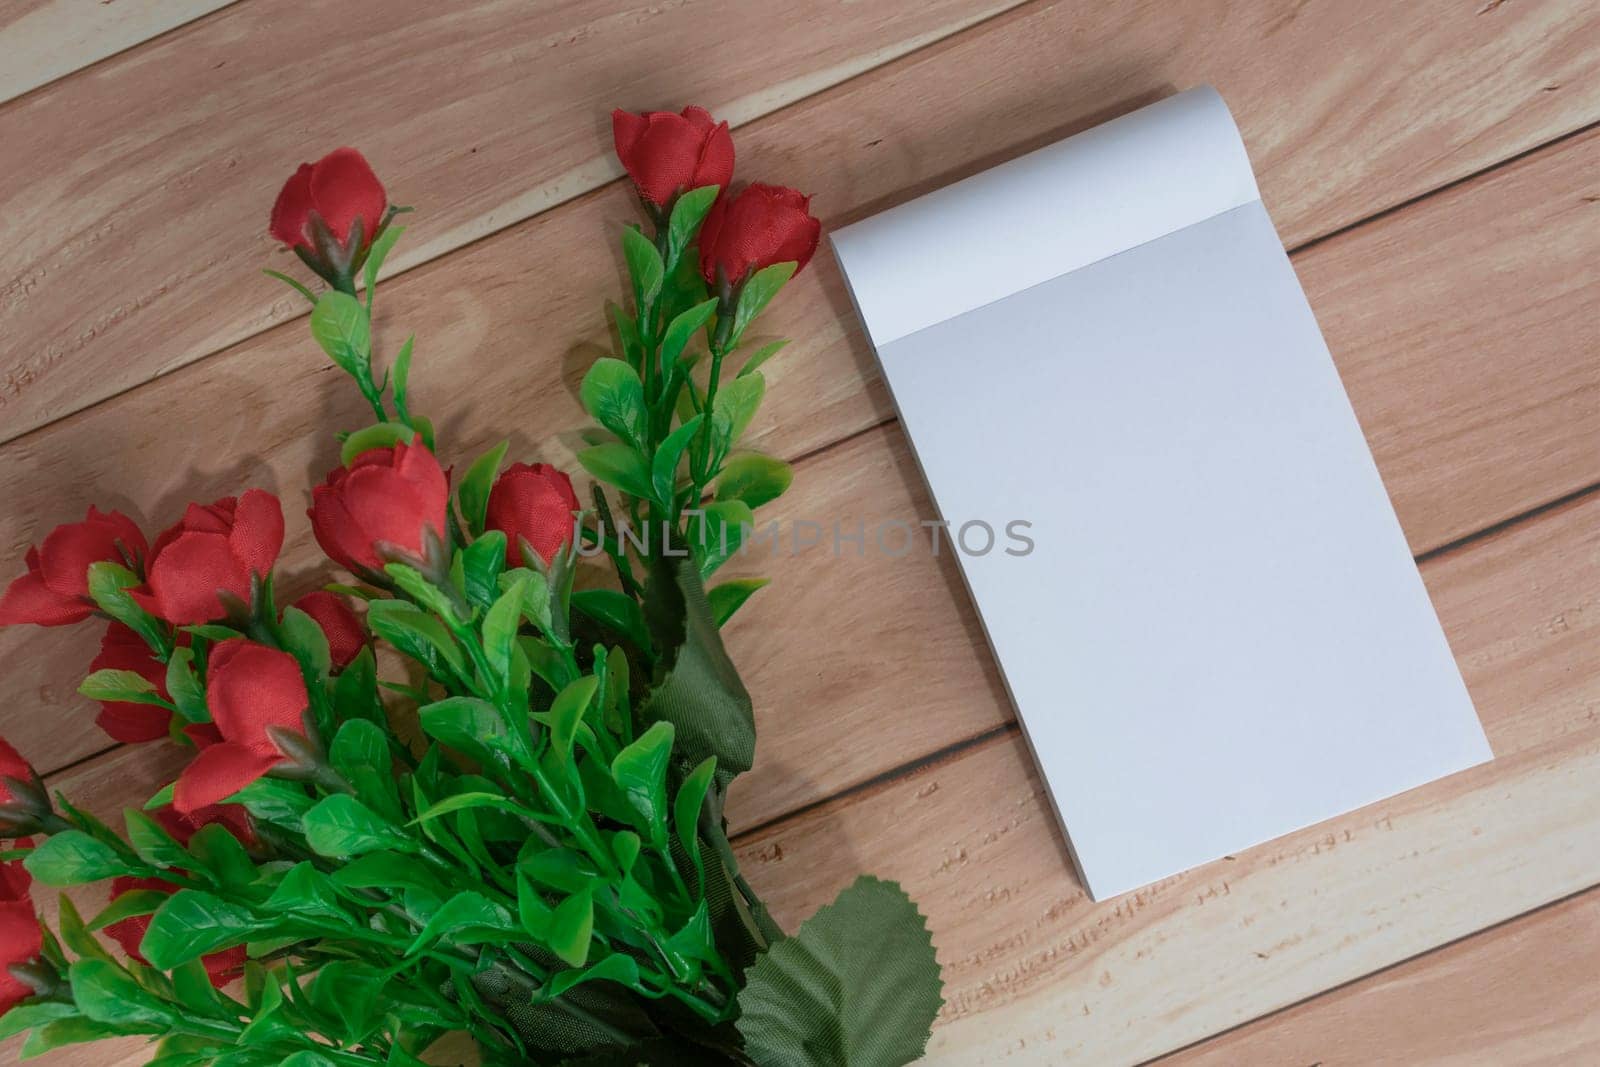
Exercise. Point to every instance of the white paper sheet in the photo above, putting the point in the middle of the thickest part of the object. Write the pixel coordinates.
(1220, 635)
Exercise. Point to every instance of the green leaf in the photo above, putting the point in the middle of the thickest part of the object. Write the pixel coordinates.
(501, 624)
(126, 686)
(340, 325)
(350, 992)
(108, 588)
(616, 967)
(729, 597)
(613, 396)
(73, 1030)
(754, 479)
(468, 918)
(619, 465)
(687, 215)
(27, 1016)
(664, 468)
(720, 532)
(682, 327)
(757, 293)
(857, 987)
(414, 585)
(184, 686)
(473, 496)
(75, 933)
(416, 634)
(402, 373)
(384, 870)
(469, 801)
(761, 355)
(303, 639)
(341, 825)
(192, 924)
(644, 266)
(734, 407)
(275, 801)
(566, 712)
(379, 435)
(468, 724)
(152, 842)
(128, 905)
(686, 810)
(72, 857)
(307, 891)
(217, 852)
(106, 993)
(379, 251)
(481, 564)
(617, 610)
(640, 771)
(571, 927)
(294, 284)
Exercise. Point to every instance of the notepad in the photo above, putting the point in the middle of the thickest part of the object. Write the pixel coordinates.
(1219, 635)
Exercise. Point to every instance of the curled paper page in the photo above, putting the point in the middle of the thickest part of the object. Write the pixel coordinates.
(1215, 633)
(1065, 206)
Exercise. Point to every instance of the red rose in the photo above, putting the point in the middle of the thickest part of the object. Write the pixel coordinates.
(384, 503)
(13, 768)
(213, 549)
(222, 967)
(533, 503)
(336, 193)
(123, 650)
(250, 688)
(340, 624)
(234, 817)
(762, 225)
(55, 590)
(21, 940)
(665, 154)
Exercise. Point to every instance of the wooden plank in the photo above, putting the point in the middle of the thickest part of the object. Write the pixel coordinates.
(1518, 994)
(43, 40)
(135, 229)
(1520, 402)
(1037, 974)
(137, 195)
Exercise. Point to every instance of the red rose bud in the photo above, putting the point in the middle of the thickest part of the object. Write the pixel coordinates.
(340, 624)
(762, 225)
(250, 689)
(533, 503)
(221, 967)
(24, 807)
(665, 154)
(55, 590)
(387, 503)
(214, 549)
(123, 650)
(234, 817)
(21, 940)
(329, 212)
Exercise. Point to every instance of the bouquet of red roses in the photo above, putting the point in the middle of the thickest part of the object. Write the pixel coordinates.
(507, 823)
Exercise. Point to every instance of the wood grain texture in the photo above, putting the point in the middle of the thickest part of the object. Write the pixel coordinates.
(1522, 396)
(1517, 995)
(43, 40)
(137, 194)
(1036, 973)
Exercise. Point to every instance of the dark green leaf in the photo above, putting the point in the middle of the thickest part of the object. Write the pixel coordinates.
(217, 852)
(729, 597)
(384, 870)
(468, 724)
(640, 771)
(681, 328)
(616, 610)
(72, 1030)
(857, 987)
(153, 844)
(27, 1016)
(275, 801)
(619, 465)
(128, 905)
(686, 810)
(481, 564)
(754, 479)
(467, 918)
(304, 640)
(473, 495)
(566, 712)
(305, 890)
(106, 993)
(571, 928)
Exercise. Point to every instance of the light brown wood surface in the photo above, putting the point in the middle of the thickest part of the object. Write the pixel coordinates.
(1433, 163)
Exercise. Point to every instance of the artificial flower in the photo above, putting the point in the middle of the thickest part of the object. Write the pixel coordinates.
(388, 501)
(758, 227)
(250, 689)
(533, 503)
(665, 153)
(340, 624)
(21, 939)
(55, 589)
(213, 549)
(221, 967)
(339, 192)
(123, 650)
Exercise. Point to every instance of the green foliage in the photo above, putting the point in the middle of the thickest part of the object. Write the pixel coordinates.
(340, 325)
(857, 987)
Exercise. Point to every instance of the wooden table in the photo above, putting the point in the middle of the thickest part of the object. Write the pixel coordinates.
(1434, 166)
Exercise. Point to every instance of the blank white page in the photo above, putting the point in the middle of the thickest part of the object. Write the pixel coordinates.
(1220, 635)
